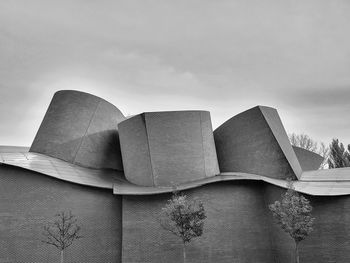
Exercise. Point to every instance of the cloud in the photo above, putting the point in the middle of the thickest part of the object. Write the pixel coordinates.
(222, 56)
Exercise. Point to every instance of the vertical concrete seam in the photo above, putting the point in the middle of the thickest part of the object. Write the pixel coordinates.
(201, 130)
(149, 151)
(278, 142)
(87, 128)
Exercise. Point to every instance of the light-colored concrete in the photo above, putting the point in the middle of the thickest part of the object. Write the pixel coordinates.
(275, 124)
(308, 160)
(338, 174)
(314, 188)
(53, 167)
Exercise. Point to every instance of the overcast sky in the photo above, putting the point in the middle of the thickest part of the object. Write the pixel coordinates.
(216, 55)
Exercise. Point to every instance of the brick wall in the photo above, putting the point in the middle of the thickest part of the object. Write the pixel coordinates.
(239, 228)
(28, 200)
(236, 229)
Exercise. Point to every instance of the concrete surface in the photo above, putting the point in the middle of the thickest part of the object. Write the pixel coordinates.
(308, 160)
(53, 167)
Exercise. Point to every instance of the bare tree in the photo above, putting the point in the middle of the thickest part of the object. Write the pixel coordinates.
(305, 142)
(62, 232)
(324, 151)
(293, 214)
(183, 218)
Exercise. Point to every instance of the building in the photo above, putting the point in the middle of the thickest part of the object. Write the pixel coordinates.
(115, 173)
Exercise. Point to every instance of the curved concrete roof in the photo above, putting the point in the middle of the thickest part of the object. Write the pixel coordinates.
(317, 183)
(53, 167)
(315, 188)
(80, 128)
(166, 148)
(8, 149)
(339, 174)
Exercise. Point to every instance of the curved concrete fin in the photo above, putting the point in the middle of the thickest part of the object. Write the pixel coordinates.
(135, 150)
(255, 141)
(276, 126)
(308, 160)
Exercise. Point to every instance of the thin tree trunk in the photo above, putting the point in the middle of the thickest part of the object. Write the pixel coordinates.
(184, 251)
(296, 252)
(62, 256)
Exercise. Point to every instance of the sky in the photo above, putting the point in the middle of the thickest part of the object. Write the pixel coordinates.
(224, 56)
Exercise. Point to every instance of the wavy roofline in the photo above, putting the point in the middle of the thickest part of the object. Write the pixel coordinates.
(64, 171)
(314, 183)
(314, 188)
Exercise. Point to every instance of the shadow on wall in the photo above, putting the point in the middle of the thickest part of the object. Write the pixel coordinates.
(78, 128)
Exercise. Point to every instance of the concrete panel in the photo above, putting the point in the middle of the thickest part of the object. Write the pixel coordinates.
(9, 149)
(135, 151)
(338, 175)
(273, 120)
(176, 147)
(316, 188)
(29, 200)
(246, 143)
(80, 128)
(210, 157)
(235, 230)
(100, 146)
(308, 160)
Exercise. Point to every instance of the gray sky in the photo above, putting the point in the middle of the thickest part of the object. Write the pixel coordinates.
(221, 56)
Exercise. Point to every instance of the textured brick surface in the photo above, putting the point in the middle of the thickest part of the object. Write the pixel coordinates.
(239, 228)
(135, 151)
(330, 240)
(80, 128)
(29, 200)
(167, 148)
(236, 229)
(246, 143)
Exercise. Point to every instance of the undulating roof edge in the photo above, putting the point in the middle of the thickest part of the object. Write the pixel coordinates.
(56, 168)
(315, 188)
(333, 182)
